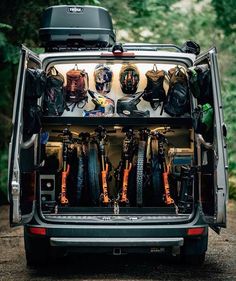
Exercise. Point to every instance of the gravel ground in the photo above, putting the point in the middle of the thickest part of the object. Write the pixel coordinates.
(220, 264)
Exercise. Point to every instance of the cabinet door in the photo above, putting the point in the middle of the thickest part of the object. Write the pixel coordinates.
(22, 150)
(216, 178)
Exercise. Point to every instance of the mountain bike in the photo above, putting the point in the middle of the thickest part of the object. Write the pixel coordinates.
(152, 170)
(124, 173)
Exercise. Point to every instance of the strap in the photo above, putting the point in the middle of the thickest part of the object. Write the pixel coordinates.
(76, 67)
(87, 80)
(155, 68)
(51, 70)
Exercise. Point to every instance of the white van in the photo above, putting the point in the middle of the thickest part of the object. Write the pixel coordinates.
(121, 168)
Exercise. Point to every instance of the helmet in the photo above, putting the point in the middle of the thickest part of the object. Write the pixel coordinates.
(127, 106)
(103, 78)
(129, 78)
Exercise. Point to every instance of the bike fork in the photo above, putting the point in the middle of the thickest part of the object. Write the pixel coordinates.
(105, 170)
(168, 198)
(63, 197)
(124, 197)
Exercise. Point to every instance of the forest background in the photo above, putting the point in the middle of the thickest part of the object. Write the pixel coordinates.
(208, 22)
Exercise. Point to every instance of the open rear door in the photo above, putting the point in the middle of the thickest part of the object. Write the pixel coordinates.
(214, 174)
(22, 150)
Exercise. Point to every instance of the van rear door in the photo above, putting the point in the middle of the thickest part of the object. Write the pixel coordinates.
(22, 150)
(214, 179)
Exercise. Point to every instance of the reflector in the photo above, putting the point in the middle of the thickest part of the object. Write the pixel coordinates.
(196, 231)
(37, 230)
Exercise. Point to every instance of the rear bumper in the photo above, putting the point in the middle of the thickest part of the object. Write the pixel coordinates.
(127, 238)
(116, 242)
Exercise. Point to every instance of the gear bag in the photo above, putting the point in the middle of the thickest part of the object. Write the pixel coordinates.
(200, 83)
(203, 118)
(54, 97)
(32, 112)
(76, 87)
(35, 83)
(177, 102)
(154, 91)
(129, 78)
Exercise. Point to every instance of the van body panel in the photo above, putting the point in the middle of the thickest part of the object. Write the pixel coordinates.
(220, 153)
(19, 215)
(63, 231)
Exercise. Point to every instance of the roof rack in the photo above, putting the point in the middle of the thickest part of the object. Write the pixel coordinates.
(126, 46)
(188, 47)
(150, 47)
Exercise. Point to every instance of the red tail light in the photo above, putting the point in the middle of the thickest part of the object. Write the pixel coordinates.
(196, 231)
(37, 230)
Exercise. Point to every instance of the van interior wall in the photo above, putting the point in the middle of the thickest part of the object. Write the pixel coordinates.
(116, 92)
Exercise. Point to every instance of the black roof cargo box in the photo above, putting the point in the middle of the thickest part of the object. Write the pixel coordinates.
(76, 26)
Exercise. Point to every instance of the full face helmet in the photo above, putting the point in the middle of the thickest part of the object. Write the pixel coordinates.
(103, 79)
(129, 78)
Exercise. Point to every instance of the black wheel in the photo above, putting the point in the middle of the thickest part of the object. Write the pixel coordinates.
(140, 172)
(80, 177)
(94, 172)
(157, 181)
(37, 250)
(194, 250)
(195, 259)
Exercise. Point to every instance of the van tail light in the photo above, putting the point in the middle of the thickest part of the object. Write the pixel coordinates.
(195, 231)
(37, 230)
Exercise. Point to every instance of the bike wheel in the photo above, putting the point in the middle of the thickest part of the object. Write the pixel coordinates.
(157, 181)
(94, 172)
(140, 172)
(80, 177)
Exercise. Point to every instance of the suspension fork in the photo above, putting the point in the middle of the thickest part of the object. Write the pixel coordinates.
(168, 198)
(63, 198)
(127, 169)
(105, 171)
(66, 169)
(101, 134)
(148, 149)
(127, 156)
(166, 168)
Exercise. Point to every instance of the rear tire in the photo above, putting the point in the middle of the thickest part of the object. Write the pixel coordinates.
(94, 172)
(157, 181)
(140, 172)
(195, 259)
(80, 178)
(194, 250)
(37, 250)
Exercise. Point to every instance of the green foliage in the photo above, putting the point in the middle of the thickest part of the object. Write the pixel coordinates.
(226, 14)
(232, 189)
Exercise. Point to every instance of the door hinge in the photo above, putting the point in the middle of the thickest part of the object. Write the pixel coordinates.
(15, 188)
(15, 191)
